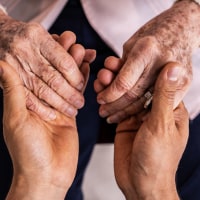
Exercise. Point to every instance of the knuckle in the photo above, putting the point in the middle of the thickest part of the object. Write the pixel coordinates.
(149, 46)
(130, 96)
(41, 91)
(55, 81)
(70, 67)
(33, 29)
(30, 103)
(167, 95)
(122, 84)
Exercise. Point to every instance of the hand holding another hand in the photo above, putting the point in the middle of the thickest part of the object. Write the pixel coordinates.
(50, 74)
(170, 37)
(44, 153)
(149, 146)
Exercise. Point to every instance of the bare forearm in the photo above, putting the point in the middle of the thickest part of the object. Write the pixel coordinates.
(178, 28)
(183, 21)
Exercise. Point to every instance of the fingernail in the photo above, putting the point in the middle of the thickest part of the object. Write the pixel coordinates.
(80, 86)
(78, 103)
(101, 101)
(103, 113)
(52, 116)
(71, 111)
(111, 120)
(173, 73)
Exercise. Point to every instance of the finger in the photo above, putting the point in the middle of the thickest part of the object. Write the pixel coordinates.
(106, 75)
(67, 39)
(165, 90)
(37, 106)
(62, 61)
(85, 69)
(77, 51)
(13, 90)
(54, 81)
(133, 109)
(131, 71)
(98, 86)
(123, 82)
(90, 55)
(116, 106)
(46, 94)
(55, 37)
(113, 64)
(104, 78)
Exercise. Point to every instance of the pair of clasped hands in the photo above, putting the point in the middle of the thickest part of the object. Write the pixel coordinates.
(43, 79)
(148, 144)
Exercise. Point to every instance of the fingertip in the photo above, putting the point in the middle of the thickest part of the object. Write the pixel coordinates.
(173, 73)
(100, 100)
(113, 63)
(98, 87)
(90, 55)
(66, 39)
(77, 51)
(105, 76)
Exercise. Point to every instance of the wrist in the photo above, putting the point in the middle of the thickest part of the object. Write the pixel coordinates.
(160, 187)
(167, 194)
(40, 188)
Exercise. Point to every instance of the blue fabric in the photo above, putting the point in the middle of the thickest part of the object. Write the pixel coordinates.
(188, 174)
(88, 120)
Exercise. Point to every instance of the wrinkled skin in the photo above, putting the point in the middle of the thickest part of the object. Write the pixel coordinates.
(171, 36)
(149, 145)
(49, 73)
(40, 150)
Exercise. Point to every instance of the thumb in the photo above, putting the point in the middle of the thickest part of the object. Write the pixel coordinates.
(13, 90)
(168, 84)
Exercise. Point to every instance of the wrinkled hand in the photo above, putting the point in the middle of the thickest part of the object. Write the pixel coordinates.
(170, 36)
(149, 146)
(44, 154)
(49, 73)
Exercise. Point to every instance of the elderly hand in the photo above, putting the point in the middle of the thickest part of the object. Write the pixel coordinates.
(44, 153)
(168, 37)
(149, 146)
(50, 74)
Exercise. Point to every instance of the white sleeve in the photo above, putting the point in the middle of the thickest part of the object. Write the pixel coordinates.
(2, 8)
(197, 1)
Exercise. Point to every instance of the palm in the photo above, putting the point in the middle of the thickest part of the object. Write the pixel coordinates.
(50, 146)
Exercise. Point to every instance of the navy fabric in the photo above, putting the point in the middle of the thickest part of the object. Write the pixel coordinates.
(188, 174)
(88, 121)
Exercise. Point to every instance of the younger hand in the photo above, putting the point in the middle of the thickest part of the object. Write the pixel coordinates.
(44, 153)
(149, 146)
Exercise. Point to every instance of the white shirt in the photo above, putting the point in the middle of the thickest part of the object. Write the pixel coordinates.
(114, 20)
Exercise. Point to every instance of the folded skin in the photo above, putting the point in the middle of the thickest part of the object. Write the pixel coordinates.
(49, 73)
(171, 36)
(39, 149)
(149, 145)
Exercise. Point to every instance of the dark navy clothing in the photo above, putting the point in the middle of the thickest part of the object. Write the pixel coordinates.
(188, 174)
(90, 124)
(88, 120)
